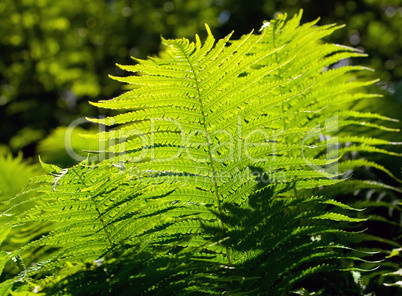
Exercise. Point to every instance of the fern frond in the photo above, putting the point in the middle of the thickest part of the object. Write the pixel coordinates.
(214, 181)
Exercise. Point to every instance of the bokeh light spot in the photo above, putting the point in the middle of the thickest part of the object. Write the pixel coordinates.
(168, 6)
(390, 11)
(224, 16)
(126, 11)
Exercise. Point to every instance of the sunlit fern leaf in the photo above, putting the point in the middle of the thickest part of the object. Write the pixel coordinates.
(220, 149)
(14, 173)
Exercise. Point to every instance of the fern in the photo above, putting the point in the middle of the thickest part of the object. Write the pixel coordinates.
(215, 182)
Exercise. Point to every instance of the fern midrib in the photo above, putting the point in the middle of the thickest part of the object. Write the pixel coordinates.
(211, 160)
(282, 105)
(279, 76)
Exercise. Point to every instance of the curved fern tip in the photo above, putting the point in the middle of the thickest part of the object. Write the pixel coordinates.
(112, 76)
(394, 120)
(49, 168)
(367, 68)
(95, 120)
(42, 163)
(208, 29)
(135, 59)
(93, 104)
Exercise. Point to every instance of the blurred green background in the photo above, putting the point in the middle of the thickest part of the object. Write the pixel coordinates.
(56, 55)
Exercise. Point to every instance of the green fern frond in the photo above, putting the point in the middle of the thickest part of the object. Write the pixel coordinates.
(222, 148)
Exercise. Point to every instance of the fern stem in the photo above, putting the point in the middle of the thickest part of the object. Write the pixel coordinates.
(279, 76)
(211, 160)
(103, 222)
(283, 104)
(98, 211)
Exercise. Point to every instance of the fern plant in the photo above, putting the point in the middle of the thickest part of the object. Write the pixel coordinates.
(215, 180)
(14, 173)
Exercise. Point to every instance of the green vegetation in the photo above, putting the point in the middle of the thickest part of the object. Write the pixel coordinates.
(237, 166)
(57, 55)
